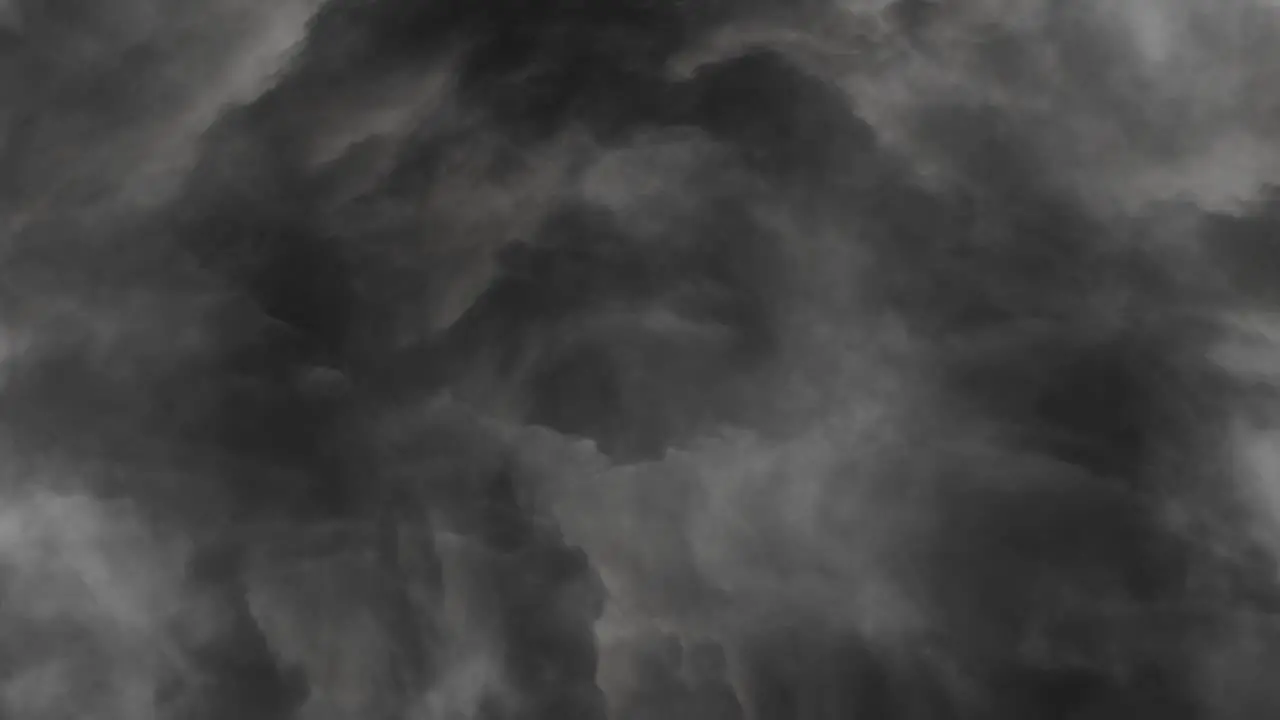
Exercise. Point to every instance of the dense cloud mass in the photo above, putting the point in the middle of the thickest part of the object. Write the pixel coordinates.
(565, 360)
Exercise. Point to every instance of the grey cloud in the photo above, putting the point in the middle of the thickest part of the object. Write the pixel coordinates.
(884, 344)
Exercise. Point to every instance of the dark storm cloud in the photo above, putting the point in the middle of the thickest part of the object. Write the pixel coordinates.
(107, 335)
(872, 343)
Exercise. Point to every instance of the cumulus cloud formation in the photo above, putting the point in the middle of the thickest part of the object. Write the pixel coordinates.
(714, 359)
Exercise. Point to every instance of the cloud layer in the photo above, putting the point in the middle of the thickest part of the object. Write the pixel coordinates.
(439, 359)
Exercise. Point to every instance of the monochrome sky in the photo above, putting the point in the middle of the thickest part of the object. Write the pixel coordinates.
(941, 331)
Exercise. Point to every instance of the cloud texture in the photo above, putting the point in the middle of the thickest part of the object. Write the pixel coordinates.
(443, 359)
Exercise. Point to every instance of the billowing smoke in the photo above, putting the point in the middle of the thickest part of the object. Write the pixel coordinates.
(720, 359)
